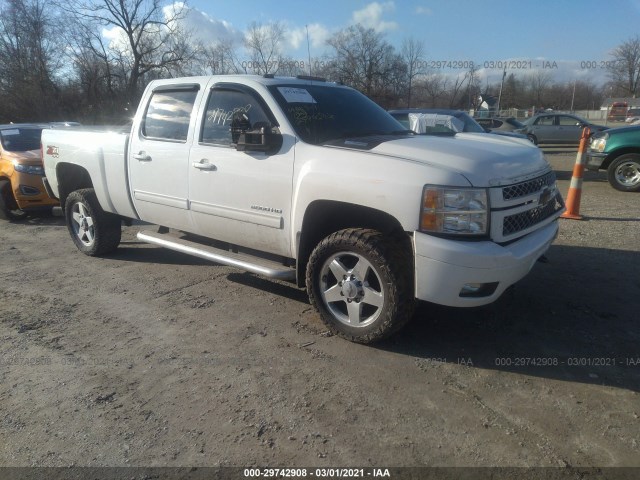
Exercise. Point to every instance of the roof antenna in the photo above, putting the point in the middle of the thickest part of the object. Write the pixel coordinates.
(308, 50)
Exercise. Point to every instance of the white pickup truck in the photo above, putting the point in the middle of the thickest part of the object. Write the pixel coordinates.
(312, 182)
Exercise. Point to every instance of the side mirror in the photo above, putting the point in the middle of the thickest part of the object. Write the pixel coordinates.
(239, 125)
(257, 138)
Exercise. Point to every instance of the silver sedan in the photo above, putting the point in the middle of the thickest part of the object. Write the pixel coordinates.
(556, 128)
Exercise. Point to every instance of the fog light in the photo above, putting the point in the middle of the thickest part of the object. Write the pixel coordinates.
(29, 191)
(476, 290)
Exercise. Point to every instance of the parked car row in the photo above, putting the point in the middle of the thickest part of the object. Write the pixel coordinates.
(541, 129)
(446, 121)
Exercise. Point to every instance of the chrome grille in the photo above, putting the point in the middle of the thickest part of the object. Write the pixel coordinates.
(524, 220)
(527, 188)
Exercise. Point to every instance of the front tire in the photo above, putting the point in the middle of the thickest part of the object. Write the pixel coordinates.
(624, 173)
(532, 138)
(8, 206)
(94, 231)
(361, 283)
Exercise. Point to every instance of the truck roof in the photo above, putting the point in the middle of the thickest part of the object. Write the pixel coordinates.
(266, 80)
(23, 125)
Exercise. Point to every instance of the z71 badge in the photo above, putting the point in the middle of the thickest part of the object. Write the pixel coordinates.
(53, 151)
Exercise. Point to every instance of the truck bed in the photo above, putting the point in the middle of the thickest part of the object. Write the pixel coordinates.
(102, 154)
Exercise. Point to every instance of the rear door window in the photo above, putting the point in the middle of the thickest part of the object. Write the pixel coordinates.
(168, 115)
(567, 121)
(545, 121)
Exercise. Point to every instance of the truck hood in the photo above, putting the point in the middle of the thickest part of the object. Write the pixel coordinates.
(29, 157)
(485, 160)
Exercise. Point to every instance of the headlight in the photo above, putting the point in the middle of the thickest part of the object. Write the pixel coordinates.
(33, 169)
(598, 144)
(461, 211)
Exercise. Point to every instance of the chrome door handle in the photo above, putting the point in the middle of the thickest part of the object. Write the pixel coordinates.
(142, 157)
(204, 165)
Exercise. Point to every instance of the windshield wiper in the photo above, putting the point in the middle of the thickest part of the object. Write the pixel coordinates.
(361, 133)
(403, 132)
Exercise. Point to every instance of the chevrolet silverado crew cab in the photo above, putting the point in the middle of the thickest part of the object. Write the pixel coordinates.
(312, 182)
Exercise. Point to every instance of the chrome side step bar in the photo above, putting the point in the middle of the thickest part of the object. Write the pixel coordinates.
(243, 261)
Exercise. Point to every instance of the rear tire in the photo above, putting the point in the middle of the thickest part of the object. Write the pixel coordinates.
(361, 283)
(8, 206)
(624, 173)
(94, 231)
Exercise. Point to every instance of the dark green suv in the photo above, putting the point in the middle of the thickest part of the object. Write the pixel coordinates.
(618, 152)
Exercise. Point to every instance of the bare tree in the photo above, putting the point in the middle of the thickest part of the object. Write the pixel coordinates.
(147, 35)
(88, 52)
(363, 59)
(393, 89)
(221, 58)
(587, 96)
(624, 70)
(264, 43)
(538, 84)
(473, 87)
(289, 67)
(510, 91)
(434, 87)
(29, 58)
(454, 91)
(412, 53)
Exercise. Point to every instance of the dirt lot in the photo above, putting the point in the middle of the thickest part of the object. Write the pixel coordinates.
(152, 358)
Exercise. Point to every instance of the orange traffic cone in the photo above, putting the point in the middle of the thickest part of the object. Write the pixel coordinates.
(575, 189)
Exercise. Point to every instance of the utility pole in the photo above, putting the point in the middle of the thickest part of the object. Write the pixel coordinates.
(504, 74)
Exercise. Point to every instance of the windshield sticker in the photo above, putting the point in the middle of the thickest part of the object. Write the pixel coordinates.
(301, 117)
(296, 95)
(6, 133)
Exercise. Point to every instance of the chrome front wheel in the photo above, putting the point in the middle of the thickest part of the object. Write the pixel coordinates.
(361, 283)
(351, 289)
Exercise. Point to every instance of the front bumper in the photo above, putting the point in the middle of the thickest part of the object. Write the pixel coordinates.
(443, 266)
(595, 160)
(29, 192)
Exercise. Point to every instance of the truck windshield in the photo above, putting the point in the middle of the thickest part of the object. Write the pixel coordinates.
(20, 139)
(320, 113)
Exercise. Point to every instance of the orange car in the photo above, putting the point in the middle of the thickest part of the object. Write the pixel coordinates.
(21, 172)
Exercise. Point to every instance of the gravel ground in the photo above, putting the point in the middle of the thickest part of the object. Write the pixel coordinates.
(152, 358)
